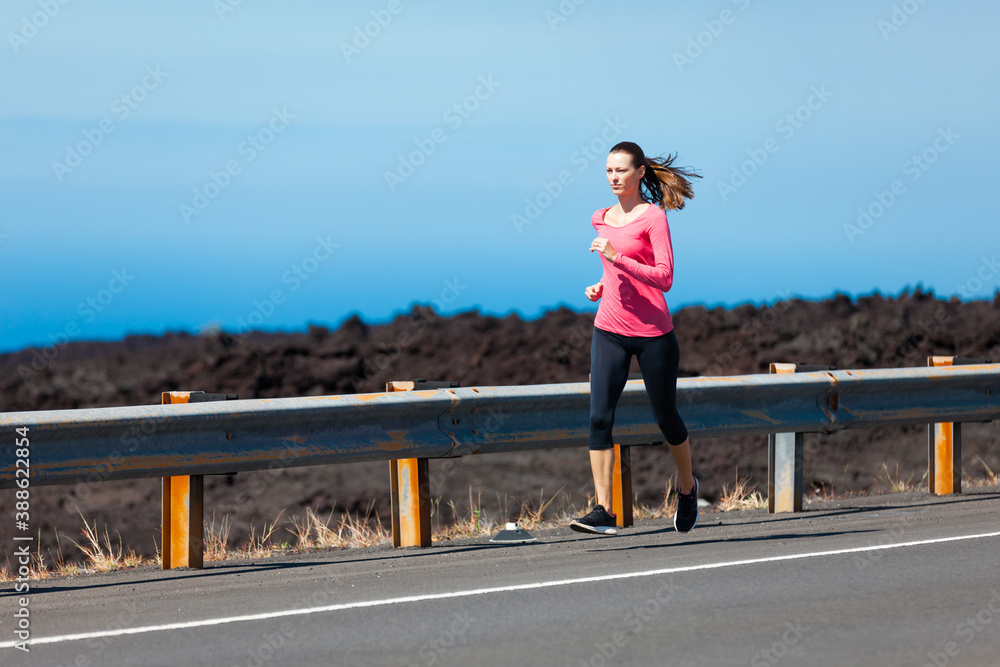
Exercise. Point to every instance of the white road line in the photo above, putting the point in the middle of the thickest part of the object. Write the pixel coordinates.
(477, 591)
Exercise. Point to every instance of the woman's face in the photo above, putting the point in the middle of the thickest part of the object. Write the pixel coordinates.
(622, 176)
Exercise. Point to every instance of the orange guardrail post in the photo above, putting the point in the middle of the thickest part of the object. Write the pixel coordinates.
(411, 507)
(183, 510)
(944, 450)
(409, 484)
(944, 442)
(621, 491)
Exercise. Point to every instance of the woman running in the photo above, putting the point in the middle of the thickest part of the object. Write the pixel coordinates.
(633, 319)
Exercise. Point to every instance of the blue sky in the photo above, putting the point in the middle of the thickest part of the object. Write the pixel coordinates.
(184, 165)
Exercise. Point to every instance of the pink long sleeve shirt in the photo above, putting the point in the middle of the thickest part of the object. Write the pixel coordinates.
(632, 303)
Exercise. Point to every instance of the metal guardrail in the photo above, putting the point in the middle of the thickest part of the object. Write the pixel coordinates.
(243, 435)
(98, 444)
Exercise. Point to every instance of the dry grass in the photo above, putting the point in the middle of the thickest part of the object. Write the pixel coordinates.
(531, 516)
(314, 532)
(990, 478)
(38, 568)
(260, 545)
(105, 557)
(896, 483)
(473, 525)
(741, 496)
(215, 539)
(101, 556)
(664, 510)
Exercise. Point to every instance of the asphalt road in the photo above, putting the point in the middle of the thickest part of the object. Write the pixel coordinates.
(906, 579)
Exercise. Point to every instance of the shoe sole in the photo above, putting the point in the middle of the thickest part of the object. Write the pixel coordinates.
(685, 531)
(597, 530)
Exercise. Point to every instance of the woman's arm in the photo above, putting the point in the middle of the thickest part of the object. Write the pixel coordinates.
(661, 275)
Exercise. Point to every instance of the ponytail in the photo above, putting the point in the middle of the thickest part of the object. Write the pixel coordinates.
(663, 184)
(668, 186)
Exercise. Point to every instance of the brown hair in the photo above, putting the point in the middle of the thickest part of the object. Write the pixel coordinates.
(663, 184)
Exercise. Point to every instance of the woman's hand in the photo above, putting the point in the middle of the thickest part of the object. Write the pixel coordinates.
(594, 292)
(603, 246)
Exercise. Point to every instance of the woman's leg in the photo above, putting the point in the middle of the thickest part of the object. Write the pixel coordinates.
(602, 464)
(682, 459)
(609, 364)
(659, 359)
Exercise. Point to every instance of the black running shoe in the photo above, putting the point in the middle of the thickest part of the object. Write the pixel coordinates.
(598, 521)
(687, 510)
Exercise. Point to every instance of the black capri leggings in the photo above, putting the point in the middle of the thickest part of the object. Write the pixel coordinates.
(610, 358)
